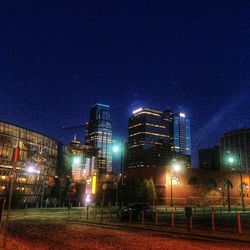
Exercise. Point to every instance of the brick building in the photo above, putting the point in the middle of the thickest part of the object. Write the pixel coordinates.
(193, 187)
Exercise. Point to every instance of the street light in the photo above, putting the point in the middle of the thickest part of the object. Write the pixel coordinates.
(223, 194)
(116, 149)
(175, 167)
(31, 169)
(233, 160)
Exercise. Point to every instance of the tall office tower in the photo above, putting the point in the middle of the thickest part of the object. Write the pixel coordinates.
(209, 158)
(178, 129)
(236, 144)
(99, 135)
(147, 139)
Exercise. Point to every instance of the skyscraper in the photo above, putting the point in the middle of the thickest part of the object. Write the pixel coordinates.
(178, 130)
(99, 135)
(147, 139)
(209, 158)
(237, 144)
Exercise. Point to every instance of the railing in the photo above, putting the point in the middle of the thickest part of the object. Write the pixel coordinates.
(203, 219)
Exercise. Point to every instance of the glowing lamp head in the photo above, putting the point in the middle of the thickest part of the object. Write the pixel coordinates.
(31, 169)
(87, 200)
(231, 160)
(76, 160)
(116, 149)
(176, 167)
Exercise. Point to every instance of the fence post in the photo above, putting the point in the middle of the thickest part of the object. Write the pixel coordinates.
(189, 223)
(212, 218)
(95, 213)
(142, 217)
(156, 217)
(87, 213)
(80, 213)
(119, 216)
(101, 215)
(172, 219)
(238, 223)
(110, 214)
(130, 216)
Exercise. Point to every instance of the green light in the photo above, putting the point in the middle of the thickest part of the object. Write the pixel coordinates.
(231, 160)
(76, 160)
(116, 149)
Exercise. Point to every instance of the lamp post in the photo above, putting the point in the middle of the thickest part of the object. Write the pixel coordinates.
(15, 157)
(223, 197)
(32, 170)
(116, 149)
(228, 195)
(232, 160)
(175, 167)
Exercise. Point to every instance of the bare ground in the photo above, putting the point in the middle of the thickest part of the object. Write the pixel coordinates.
(59, 235)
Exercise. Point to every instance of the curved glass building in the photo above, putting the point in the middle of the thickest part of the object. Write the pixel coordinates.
(36, 167)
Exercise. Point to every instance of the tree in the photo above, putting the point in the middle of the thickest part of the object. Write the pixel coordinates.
(151, 192)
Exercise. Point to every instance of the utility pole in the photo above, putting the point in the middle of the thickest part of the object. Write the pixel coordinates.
(241, 184)
(15, 157)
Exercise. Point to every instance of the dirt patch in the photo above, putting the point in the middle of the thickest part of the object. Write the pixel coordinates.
(59, 235)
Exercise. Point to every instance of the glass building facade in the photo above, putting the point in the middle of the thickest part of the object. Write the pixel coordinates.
(147, 139)
(99, 135)
(236, 144)
(209, 158)
(36, 166)
(178, 129)
(155, 138)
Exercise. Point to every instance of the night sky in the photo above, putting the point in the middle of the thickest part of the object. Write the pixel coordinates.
(57, 58)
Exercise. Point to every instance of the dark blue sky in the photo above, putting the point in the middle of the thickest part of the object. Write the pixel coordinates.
(57, 58)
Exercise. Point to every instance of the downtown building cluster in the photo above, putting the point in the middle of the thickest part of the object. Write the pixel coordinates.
(49, 173)
(236, 143)
(155, 138)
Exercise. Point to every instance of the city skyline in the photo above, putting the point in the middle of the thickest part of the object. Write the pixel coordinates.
(191, 56)
(124, 124)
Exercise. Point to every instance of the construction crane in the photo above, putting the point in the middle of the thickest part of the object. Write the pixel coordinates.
(75, 127)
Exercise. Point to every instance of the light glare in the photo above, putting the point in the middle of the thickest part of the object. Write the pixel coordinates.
(176, 167)
(137, 110)
(115, 149)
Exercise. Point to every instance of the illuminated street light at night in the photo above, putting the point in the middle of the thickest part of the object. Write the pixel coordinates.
(175, 167)
(88, 199)
(236, 161)
(76, 160)
(32, 170)
(231, 160)
(116, 149)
